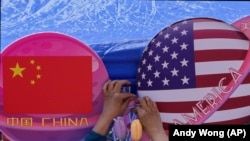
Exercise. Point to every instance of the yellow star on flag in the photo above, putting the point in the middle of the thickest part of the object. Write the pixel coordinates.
(17, 71)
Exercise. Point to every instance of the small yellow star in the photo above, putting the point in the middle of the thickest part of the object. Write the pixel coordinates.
(32, 62)
(38, 67)
(32, 82)
(38, 76)
(17, 71)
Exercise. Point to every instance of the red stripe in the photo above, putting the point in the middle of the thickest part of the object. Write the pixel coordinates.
(186, 107)
(213, 80)
(198, 20)
(242, 120)
(218, 33)
(232, 103)
(219, 55)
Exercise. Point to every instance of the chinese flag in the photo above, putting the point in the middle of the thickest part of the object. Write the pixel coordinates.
(47, 85)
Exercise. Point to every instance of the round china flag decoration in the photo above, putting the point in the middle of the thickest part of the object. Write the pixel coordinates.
(51, 88)
(197, 73)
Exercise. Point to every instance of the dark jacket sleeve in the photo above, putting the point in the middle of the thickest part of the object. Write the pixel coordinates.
(93, 136)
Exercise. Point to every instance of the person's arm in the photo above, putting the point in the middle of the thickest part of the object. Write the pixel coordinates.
(115, 104)
(150, 119)
(93, 136)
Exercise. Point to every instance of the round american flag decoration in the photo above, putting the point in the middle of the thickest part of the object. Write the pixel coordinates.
(195, 70)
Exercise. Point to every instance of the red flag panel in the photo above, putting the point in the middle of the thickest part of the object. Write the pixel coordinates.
(47, 84)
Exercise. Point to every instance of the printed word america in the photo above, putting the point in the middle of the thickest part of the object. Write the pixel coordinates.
(211, 100)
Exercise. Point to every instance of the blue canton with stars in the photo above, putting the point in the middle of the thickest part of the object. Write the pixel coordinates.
(168, 61)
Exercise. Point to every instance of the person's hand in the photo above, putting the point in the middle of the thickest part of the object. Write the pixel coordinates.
(115, 103)
(150, 119)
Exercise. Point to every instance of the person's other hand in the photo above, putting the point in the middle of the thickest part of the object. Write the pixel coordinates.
(115, 102)
(150, 119)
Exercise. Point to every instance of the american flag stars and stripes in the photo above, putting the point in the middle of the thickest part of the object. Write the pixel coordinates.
(171, 54)
(185, 62)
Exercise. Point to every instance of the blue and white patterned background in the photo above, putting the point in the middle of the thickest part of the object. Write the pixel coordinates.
(103, 21)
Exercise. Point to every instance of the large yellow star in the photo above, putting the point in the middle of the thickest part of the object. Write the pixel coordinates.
(17, 71)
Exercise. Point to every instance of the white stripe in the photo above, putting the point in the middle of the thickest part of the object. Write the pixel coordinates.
(218, 116)
(216, 67)
(182, 95)
(213, 25)
(213, 44)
